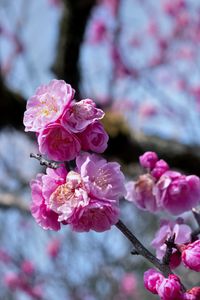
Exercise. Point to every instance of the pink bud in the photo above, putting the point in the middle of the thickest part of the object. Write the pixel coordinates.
(148, 160)
(170, 288)
(191, 256)
(151, 280)
(194, 292)
(159, 169)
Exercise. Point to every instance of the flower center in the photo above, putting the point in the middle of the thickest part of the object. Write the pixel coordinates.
(68, 193)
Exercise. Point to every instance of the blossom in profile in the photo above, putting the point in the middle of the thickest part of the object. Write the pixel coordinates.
(141, 193)
(86, 198)
(191, 256)
(47, 104)
(81, 114)
(45, 217)
(177, 193)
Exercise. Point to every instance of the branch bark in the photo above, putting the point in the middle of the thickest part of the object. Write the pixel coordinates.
(139, 247)
(12, 107)
(9, 201)
(72, 29)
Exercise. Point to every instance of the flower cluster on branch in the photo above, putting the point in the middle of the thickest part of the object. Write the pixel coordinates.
(83, 190)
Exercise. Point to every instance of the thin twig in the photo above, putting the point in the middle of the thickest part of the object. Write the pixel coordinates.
(196, 213)
(138, 246)
(170, 245)
(45, 162)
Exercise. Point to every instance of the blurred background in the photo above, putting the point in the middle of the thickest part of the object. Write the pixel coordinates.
(139, 60)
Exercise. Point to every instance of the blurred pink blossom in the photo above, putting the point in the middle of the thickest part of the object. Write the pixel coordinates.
(53, 247)
(128, 284)
(28, 267)
(98, 31)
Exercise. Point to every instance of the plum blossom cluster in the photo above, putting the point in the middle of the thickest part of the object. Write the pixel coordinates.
(87, 196)
(63, 126)
(161, 189)
(168, 288)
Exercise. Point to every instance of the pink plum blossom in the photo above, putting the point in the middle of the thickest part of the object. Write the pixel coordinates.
(103, 179)
(168, 229)
(177, 193)
(141, 193)
(86, 198)
(148, 160)
(57, 143)
(80, 115)
(191, 256)
(47, 104)
(151, 280)
(170, 288)
(94, 138)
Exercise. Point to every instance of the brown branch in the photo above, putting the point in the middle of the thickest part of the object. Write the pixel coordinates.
(9, 201)
(196, 213)
(45, 162)
(12, 107)
(140, 249)
(170, 246)
(72, 28)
